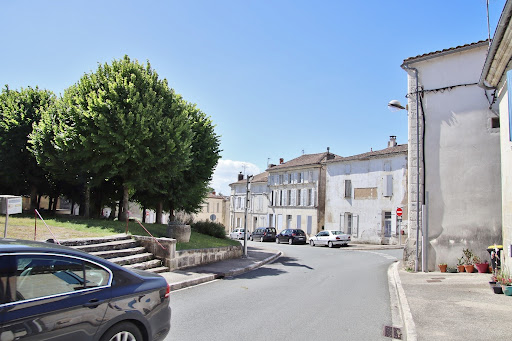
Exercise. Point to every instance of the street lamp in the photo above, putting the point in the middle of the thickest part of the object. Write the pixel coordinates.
(395, 105)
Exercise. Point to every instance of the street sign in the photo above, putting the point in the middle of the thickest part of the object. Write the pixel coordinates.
(399, 212)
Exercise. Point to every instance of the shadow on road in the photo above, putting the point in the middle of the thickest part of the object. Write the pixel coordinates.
(290, 261)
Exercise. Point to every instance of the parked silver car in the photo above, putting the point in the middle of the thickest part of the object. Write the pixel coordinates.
(330, 238)
(237, 233)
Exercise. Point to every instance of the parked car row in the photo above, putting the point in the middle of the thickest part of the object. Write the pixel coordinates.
(329, 238)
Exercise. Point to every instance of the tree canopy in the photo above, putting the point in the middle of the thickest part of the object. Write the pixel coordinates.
(122, 124)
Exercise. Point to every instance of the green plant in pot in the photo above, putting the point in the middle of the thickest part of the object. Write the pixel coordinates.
(468, 257)
(460, 264)
(505, 280)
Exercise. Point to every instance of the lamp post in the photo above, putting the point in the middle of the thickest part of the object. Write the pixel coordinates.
(247, 201)
(395, 105)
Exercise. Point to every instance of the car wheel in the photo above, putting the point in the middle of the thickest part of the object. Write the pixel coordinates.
(290, 241)
(123, 331)
(311, 242)
(261, 239)
(277, 240)
(329, 244)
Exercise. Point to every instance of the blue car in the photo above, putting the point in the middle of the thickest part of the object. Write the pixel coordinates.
(52, 292)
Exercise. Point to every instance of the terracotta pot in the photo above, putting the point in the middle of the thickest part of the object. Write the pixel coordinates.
(482, 267)
(469, 268)
(442, 267)
(460, 268)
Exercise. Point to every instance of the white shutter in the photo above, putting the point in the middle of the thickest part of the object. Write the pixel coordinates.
(294, 197)
(388, 185)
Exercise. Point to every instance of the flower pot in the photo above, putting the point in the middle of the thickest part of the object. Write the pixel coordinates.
(482, 267)
(469, 268)
(460, 268)
(507, 290)
(442, 267)
(497, 289)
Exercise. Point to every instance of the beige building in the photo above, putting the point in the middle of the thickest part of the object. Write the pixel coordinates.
(297, 193)
(497, 76)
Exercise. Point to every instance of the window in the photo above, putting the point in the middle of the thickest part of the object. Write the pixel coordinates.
(348, 189)
(348, 223)
(387, 224)
(495, 122)
(299, 177)
(388, 186)
(290, 178)
(299, 203)
(289, 197)
(42, 276)
(310, 196)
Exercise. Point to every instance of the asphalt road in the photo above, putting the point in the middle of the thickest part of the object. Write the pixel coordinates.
(310, 293)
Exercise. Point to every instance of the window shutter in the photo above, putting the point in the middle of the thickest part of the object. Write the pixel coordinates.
(388, 185)
(348, 189)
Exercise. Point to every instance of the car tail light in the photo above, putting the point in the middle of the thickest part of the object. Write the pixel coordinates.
(293, 234)
(168, 291)
(348, 237)
(338, 238)
(264, 233)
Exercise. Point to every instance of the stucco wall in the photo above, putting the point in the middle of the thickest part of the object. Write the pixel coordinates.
(462, 156)
(368, 212)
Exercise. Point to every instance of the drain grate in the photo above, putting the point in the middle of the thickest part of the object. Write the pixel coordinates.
(393, 332)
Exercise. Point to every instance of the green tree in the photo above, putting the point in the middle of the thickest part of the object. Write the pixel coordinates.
(117, 123)
(19, 111)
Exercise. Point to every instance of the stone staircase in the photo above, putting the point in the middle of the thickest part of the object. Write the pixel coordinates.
(120, 249)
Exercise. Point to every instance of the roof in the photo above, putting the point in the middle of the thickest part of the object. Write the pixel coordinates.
(399, 149)
(429, 55)
(499, 53)
(262, 177)
(304, 160)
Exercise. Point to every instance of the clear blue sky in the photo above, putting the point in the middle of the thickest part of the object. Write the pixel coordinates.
(278, 78)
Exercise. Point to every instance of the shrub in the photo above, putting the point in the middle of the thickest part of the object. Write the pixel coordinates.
(210, 228)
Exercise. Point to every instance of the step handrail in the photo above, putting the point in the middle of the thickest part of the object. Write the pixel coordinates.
(151, 235)
(35, 229)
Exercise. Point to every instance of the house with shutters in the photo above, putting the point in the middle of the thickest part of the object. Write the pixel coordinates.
(297, 193)
(363, 193)
(257, 205)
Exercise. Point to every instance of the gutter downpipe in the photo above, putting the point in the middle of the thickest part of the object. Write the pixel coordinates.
(416, 265)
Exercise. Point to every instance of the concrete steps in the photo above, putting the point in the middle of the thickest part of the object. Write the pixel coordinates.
(120, 249)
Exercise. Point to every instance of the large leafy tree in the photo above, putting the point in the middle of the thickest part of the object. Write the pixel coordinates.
(118, 123)
(19, 171)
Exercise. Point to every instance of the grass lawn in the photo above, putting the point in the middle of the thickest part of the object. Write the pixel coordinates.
(21, 226)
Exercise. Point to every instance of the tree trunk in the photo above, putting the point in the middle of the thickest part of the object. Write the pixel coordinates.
(33, 198)
(55, 202)
(50, 202)
(144, 215)
(159, 209)
(124, 214)
(112, 212)
(87, 200)
(172, 217)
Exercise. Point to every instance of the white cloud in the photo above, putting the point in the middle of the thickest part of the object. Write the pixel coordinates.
(227, 172)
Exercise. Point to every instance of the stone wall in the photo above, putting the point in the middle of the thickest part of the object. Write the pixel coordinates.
(174, 260)
(187, 258)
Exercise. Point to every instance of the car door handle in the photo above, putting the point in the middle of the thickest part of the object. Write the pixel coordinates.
(93, 303)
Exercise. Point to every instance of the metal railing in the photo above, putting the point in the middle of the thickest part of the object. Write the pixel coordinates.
(151, 235)
(36, 214)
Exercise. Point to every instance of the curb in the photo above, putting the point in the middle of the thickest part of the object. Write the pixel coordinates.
(403, 305)
(220, 275)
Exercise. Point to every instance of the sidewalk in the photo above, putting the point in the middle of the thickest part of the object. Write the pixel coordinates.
(451, 306)
(183, 278)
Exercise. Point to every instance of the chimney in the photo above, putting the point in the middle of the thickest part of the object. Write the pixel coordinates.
(392, 142)
(329, 155)
(281, 161)
(240, 176)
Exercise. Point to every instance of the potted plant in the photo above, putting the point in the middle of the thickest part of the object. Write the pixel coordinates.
(468, 260)
(481, 267)
(442, 267)
(506, 283)
(460, 264)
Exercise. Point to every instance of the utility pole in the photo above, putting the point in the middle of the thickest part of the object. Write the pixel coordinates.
(247, 202)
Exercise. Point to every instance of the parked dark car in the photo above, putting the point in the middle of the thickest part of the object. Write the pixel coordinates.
(264, 233)
(291, 236)
(52, 292)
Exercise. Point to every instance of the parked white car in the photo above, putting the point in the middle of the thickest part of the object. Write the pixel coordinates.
(237, 233)
(330, 238)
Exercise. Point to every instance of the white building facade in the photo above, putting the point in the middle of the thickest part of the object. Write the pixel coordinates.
(454, 146)
(497, 75)
(363, 193)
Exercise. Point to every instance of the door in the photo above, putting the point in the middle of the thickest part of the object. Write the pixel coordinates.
(55, 295)
(387, 224)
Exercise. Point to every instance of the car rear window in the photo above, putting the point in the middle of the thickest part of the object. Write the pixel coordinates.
(271, 230)
(299, 232)
(336, 232)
